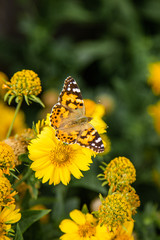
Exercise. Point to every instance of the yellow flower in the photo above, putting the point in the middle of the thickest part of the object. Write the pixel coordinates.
(130, 194)
(8, 216)
(154, 112)
(154, 77)
(4, 229)
(120, 171)
(19, 143)
(96, 111)
(114, 211)
(7, 158)
(83, 227)
(55, 161)
(3, 78)
(7, 114)
(25, 82)
(6, 197)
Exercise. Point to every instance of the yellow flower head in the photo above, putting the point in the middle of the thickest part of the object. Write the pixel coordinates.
(6, 158)
(25, 82)
(55, 161)
(114, 211)
(19, 147)
(154, 112)
(80, 227)
(3, 78)
(120, 171)
(8, 216)
(6, 197)
(83, 227)
(19, 143)
(130, 194)
(154, 77)
(4, 230)
(5, 121)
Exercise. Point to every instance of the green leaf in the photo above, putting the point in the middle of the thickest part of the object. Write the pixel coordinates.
(18, 235)
(26, 99)
(36, 99)
(31, 216)
(85, 209)
(12, 174)
(6, 96)
(42, 200)
(10, 99)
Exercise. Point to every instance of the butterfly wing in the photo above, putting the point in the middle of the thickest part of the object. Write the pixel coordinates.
(68, 135)
(70, 106)
(90, 138)
(71, 96)
(84, 135)
(58, 115)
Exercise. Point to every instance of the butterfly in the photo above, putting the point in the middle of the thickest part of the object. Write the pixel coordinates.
(68, 119)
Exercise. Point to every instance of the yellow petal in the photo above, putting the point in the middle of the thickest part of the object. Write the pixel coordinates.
(48, 172)
(75, 171)
(68, 226)
(70, 236)
(40, 163)
(65, 175)
(10, 215)
(55, 177)
(78, 217)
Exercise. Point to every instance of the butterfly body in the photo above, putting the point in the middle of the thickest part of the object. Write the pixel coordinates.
(69, 120)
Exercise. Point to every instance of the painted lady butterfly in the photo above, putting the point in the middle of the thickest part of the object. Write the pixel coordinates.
(68, 119)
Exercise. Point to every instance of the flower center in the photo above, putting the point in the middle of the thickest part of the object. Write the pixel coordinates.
(61, 154)
(87, 230)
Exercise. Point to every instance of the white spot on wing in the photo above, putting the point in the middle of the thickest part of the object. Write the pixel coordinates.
(98, 140)
(76, 90)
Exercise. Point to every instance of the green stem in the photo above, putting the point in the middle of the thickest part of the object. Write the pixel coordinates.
(15, 114)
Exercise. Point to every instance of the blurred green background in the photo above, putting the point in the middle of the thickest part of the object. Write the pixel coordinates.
(106, 45)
